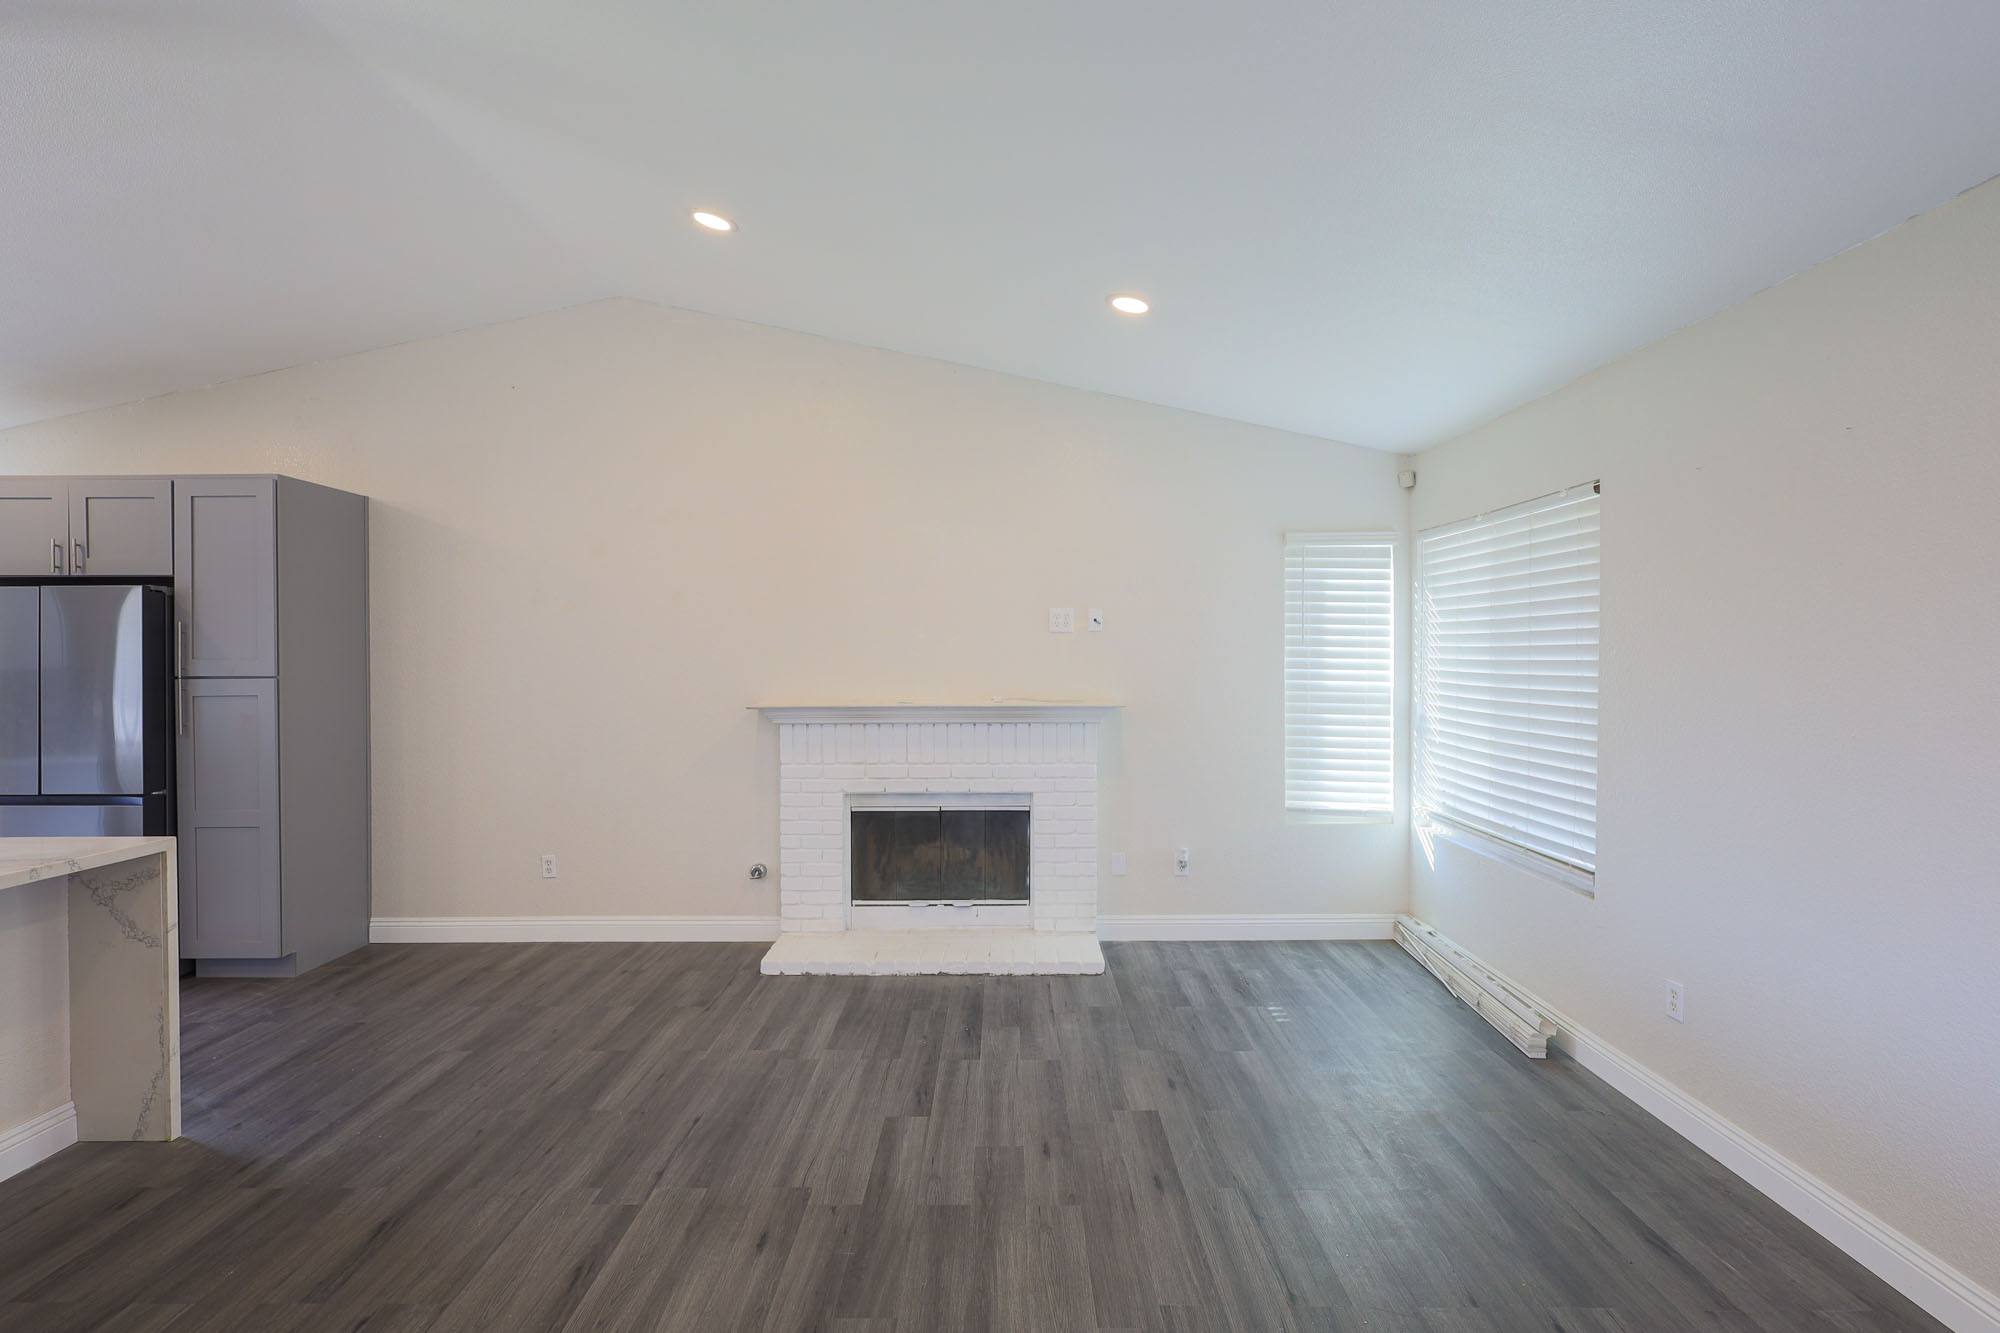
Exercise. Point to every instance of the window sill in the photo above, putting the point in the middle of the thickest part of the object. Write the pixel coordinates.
(1334, 817)
(1497, 849)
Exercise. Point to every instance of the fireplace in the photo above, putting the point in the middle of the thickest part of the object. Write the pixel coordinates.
(897, 818)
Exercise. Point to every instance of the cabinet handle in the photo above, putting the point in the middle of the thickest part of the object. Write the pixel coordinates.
(181, 709)
(76, 565)
(180, 646)
(57, 567)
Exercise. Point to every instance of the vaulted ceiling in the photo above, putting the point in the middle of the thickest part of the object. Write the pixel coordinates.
(1381, 221)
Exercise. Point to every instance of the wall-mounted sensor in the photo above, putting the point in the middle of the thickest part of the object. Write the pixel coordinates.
(1407, 479)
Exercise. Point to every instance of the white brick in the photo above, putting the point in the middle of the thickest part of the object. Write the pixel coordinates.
(1054, 764)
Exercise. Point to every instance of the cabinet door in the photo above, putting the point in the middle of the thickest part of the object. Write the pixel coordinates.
(226, 575)
(34, 526)
(121, 528)
(229, 819)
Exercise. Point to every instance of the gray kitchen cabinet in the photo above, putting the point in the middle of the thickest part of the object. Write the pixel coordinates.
(60, 527)
(121, 527)
(226, 575)
(271, 599)
(270, 590)
(34, 526)
(229, 827)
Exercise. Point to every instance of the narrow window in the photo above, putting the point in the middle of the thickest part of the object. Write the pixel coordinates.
(1505, 690)
(1340, 675)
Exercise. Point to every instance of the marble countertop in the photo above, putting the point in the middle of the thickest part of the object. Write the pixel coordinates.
(25, 860)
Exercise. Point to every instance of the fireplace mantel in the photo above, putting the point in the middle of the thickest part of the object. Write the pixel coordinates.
(1023, 710)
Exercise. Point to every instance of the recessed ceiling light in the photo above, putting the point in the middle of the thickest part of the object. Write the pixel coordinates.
(1130, 305)
(713, 221)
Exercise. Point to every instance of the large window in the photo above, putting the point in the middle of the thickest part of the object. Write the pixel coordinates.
(1506, 638)
(1340, 681)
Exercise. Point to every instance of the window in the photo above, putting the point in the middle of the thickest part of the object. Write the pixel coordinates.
(1505, 614)
(1340, 685)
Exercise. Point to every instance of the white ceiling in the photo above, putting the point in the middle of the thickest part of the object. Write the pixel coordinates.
(1378, 221)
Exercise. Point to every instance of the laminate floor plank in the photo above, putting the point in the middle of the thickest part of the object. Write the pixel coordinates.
(433, 1138)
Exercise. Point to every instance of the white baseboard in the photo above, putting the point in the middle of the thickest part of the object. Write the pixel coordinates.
(566, 929)
(1323, 926)
(1949, 1295)
(542, 929)
(43, 1137)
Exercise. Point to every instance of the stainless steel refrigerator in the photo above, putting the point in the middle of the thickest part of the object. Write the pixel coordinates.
(86, 710)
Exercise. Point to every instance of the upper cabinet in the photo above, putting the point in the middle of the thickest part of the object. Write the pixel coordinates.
(57, 527)
(226, 575)
(34, 526)
(122, 529)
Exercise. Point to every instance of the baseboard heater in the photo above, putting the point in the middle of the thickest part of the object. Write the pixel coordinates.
(1467, 978)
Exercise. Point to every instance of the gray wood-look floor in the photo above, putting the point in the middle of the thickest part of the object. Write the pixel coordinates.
(652, 1136)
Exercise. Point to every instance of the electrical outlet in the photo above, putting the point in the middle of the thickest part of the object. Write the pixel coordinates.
(1117, 863)
(548, 867)
(1062, 620)
(1676, 1002)
(1182, 861)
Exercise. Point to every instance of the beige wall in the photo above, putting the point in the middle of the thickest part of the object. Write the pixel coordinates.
(1800, 750)
(599, 535)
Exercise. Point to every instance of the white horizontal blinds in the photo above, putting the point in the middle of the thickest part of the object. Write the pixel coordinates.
(1506, 633)
(1339, 674)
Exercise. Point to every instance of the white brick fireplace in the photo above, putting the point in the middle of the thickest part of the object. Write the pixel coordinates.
(1046, 754)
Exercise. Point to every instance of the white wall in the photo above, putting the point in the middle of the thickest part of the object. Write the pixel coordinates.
(1800, 749)
(603, 527)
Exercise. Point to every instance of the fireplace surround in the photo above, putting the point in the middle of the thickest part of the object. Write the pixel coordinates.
(835, 761)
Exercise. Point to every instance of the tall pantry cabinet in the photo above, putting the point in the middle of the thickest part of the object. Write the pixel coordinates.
(271, 656)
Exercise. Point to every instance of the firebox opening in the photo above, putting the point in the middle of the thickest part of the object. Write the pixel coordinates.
(939, 855)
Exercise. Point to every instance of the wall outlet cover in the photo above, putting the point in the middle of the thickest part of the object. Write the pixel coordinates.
(1182, 861)
(548, 867)
(1117, 863)
(1062, 620)
(1677, 1002)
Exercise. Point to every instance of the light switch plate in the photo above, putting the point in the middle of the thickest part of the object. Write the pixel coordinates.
(1096, 619)
(1117, 863)
(1182, 861)
(1062, 620)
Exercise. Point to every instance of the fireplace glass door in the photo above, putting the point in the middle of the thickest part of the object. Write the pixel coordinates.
(940, 856)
